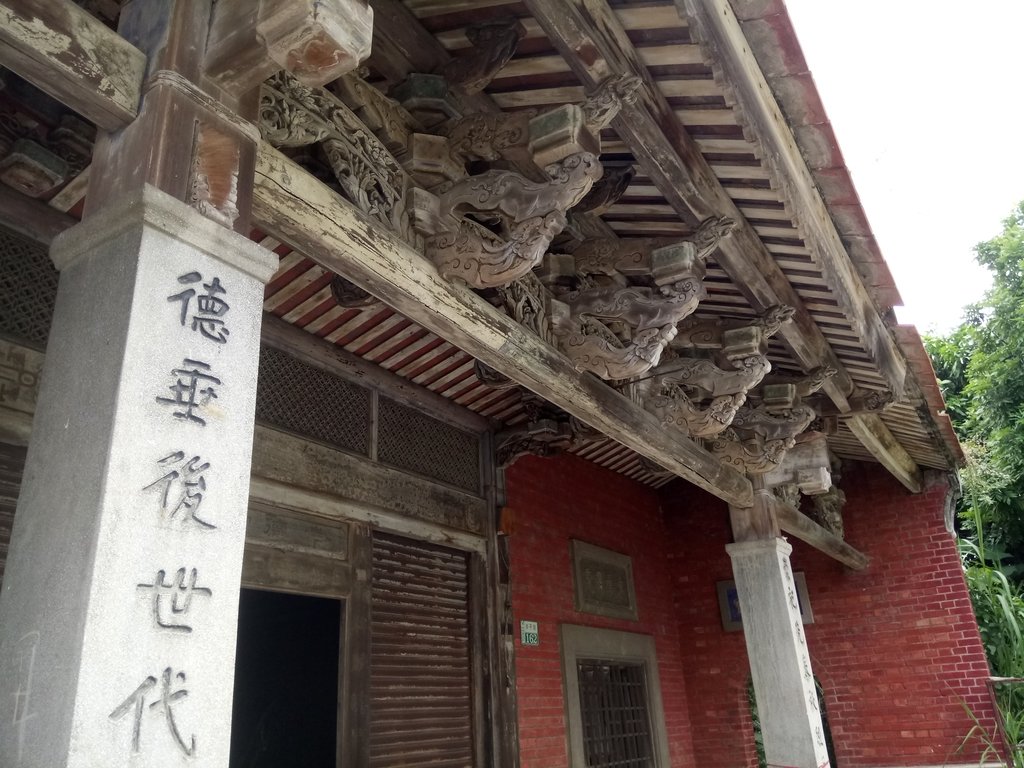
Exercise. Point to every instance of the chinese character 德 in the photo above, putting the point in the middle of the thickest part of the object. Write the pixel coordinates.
(179, 594)
(137, 702)
(192, 390)
(208, 318)
(184, 484)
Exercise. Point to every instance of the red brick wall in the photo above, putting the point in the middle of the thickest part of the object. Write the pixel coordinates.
(552, 501)
(895, 646)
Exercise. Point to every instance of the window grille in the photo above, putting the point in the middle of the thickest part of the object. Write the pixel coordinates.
(28, 289)
(614, 714)
(411, 440)
(312, 403)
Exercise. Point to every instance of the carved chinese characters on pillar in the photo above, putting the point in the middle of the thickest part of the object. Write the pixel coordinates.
(174, 498)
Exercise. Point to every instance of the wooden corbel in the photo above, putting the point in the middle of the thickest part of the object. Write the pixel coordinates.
(525, 214)
(591, 346)
(315, 40)
(670, 403)
(547, 431)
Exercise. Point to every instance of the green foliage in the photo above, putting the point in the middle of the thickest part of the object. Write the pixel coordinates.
(981, 371)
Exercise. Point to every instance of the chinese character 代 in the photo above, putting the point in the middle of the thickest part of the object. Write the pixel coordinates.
(208, 318)
(136, 703)
(184, 484)
(193, 389)
(179, 594)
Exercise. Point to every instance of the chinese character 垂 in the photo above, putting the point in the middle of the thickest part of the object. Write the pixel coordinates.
(192, 390)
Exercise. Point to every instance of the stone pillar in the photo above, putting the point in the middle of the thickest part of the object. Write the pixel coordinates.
(119, 604)
(780, 665)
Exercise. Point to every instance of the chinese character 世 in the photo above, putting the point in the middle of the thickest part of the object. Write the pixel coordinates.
(178, 594)
(210, 308)
(192, 390)
(184, 484)
(136, 703)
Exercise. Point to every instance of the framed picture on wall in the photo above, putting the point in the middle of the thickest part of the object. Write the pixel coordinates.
(729, 603)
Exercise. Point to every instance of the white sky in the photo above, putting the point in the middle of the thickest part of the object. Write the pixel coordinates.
(926, 99)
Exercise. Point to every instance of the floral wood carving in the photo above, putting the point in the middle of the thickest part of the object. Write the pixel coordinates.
(294, 115)
(389, 120)
(494, 43)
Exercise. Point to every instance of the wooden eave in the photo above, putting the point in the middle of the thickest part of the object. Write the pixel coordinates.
(420, 35)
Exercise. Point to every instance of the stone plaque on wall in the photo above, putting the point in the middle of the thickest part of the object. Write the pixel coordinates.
(603, 581)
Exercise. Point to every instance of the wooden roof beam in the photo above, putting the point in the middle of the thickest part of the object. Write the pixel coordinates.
(74, 57)
(794, 522)
(594, 44)
(299, 210)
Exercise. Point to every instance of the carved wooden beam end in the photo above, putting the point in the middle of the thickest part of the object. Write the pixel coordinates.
(315, 40)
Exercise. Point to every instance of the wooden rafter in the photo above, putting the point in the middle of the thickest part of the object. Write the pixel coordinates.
(301, 211)
(595, 45)
(61, 49)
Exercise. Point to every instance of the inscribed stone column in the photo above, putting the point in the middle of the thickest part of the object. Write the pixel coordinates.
(119, 604)
(787, 703)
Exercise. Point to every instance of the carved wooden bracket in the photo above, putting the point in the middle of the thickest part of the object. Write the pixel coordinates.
(523, 217)
(607, 100)
(546, 432)
(675, 408)
(494, 43)
(704, 379)
(294, 115)
(389, 120)
(592, 346)
(606, 192)
(754, 455)
(315, 40)
(719, 333)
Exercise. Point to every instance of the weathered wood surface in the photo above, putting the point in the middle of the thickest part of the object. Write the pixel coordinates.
(723, 38)
(594, 43)
(31, 218)
(295, 462)
(340, 362)
(353, 746)
(63, 50)
(797, 524)
(299, 210)
(883, 445)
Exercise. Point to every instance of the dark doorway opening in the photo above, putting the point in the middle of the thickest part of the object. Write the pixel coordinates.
(286, 681)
